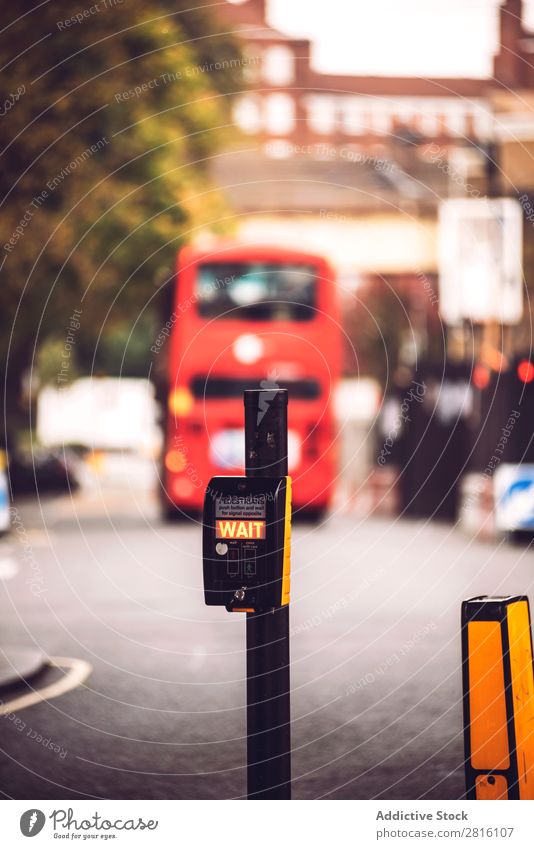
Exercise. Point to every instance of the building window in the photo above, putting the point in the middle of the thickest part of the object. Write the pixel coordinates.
(321, 115)
(404, 115)
(429, 123)
(247, 114)
(278, 65)
(353, 119)
(483, 123)
(279, 114)
(381, 121)
(455, 122)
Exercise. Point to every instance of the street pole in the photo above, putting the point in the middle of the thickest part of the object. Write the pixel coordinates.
(268, 696)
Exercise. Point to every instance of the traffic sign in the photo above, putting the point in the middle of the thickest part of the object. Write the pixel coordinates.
(480, 260)
(246, 539)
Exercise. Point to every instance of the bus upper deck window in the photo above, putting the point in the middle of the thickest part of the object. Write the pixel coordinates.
(257, 291)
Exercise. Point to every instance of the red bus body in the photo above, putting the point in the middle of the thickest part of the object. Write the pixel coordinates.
(210, 363)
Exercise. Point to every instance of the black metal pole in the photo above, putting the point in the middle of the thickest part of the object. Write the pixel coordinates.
(268, 707)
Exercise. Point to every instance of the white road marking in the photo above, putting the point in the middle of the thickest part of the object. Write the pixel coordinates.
(78, 672)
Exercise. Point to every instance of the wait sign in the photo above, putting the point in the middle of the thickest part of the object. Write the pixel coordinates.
(240, 529)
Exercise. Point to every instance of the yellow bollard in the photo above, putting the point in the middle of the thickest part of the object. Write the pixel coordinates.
(498, 686)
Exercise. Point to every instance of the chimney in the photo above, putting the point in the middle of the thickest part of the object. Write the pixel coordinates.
(509, 65)
(260, 8)
(247, 11)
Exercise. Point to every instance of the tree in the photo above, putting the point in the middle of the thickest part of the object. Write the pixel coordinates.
(108, 123)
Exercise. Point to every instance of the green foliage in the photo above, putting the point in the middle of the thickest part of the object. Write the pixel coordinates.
(110, 124)
(45, 367)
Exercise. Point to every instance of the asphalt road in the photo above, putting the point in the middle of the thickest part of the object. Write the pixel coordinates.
(376, 686)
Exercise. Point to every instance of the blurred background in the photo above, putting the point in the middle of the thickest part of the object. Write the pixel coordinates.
(374, 155)
(337, 199)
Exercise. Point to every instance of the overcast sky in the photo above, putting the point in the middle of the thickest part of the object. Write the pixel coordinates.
(421, 37)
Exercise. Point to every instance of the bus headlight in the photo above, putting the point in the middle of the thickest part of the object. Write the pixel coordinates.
(180, 401)
(175, 461)
(248, 348)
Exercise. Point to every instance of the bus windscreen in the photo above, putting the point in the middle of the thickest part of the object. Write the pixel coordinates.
(257, 291)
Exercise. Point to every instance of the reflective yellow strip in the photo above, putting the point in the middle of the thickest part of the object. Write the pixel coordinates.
(487, 703)
(286, 570)
(522, 693)
(490, 787)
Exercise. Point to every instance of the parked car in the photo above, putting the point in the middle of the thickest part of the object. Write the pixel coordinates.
(43, 471)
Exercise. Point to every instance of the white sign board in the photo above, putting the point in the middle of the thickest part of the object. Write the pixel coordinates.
(481, 260)
(99, 412)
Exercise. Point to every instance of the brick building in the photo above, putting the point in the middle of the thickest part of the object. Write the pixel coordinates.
(292, 106)
(354, 166)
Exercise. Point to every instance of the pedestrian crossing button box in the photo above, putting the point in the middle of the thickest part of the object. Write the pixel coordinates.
(246, 542)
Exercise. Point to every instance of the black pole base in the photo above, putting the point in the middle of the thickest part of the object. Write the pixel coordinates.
(268, 713)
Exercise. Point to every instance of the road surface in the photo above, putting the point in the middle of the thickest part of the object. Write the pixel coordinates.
(376, 685)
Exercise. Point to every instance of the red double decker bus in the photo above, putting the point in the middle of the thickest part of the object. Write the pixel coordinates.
(250, 317)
